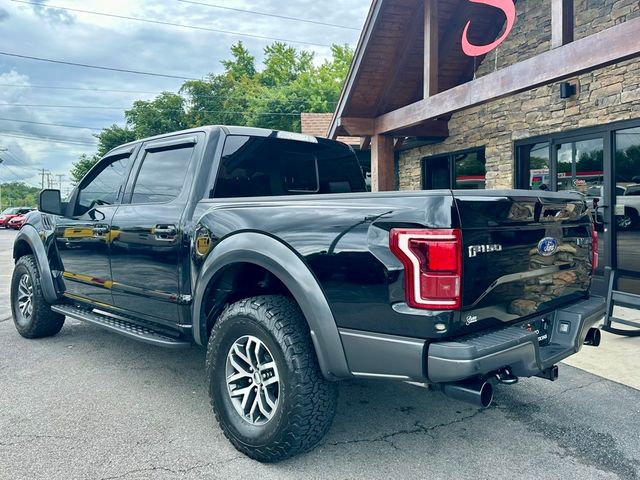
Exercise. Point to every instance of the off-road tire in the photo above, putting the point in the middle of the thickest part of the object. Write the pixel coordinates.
(307, 402)
(43, 322)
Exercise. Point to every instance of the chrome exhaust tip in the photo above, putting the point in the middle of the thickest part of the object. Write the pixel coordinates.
(477, 392)
(593, 337)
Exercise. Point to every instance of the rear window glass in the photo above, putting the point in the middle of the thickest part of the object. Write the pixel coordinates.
(264, 167)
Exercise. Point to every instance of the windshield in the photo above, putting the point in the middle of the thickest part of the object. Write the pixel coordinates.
(11, 211)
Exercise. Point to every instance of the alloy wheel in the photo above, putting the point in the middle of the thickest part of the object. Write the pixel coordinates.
(253, 382)
(25, 299)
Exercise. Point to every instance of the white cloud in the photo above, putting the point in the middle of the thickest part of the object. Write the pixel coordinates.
(84, 38)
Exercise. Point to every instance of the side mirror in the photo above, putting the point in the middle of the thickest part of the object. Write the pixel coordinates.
(49, 201)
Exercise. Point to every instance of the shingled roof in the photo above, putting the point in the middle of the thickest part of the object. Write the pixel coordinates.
(317, 124)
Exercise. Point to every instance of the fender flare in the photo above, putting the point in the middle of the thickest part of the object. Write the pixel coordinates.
(288, 267)
(29, 235)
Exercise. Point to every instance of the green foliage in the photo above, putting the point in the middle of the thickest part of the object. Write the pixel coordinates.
(243, 64)
(289, 83)
(17, 194)
(164, 114)
(82, 166)
(112, 137)
(108, 139)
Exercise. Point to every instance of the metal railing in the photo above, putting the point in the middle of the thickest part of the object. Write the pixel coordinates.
(616, 298)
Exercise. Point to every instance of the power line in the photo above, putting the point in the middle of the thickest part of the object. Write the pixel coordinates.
(81, 89)
(89, 107)
(172, 24)
(12, 172)
(49, 124)
(48, 139)
(19, 162)
(96, 67)
(264, 14)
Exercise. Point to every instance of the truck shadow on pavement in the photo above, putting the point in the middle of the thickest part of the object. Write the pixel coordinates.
(109, 407)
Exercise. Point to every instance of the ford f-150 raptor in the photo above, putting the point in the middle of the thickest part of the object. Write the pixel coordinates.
(266, 248)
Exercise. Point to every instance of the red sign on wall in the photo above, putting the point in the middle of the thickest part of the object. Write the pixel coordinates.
(509, 9)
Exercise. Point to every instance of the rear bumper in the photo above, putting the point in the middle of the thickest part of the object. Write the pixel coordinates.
(383, 356)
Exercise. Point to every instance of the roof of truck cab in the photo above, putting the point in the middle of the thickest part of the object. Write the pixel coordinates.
(227, 129)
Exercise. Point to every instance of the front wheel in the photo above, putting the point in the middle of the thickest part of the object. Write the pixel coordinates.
(266, 388)
(32, 313)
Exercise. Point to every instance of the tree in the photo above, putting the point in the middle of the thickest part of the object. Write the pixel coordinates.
(80, 168)
(112, 137)
(288, 84)
(108, 139)
(243, 64)
(18, 194)
(164, 114)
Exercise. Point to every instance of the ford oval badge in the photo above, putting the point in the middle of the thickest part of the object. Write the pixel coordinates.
(547, 246)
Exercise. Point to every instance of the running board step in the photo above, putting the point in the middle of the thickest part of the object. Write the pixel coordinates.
(120, 325)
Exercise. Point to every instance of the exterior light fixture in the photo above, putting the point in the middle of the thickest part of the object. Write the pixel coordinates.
(567, 90)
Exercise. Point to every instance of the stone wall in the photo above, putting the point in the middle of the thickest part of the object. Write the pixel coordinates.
(604, 96)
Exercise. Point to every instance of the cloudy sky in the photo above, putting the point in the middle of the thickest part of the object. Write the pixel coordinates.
(36, 94)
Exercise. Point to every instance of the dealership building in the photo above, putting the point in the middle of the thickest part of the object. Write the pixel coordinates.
(500, 94)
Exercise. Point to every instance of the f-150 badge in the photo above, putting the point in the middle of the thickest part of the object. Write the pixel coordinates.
(474, 250)
(547, 246)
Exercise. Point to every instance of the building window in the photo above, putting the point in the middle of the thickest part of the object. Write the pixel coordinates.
(458, 170)
(533, 164)
(577, 165)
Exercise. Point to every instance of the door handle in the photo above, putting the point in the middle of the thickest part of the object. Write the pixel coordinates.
(100, 230)
(165, 233)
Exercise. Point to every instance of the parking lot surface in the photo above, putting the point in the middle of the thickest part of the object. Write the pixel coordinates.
(88, 404)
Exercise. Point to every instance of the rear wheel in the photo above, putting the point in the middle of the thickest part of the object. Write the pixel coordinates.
(32, 314)
(266, 388)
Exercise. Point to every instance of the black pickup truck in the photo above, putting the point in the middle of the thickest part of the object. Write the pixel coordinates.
(266, 248)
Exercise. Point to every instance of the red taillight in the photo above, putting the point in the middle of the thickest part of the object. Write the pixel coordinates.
(595, 245)
(432, 263)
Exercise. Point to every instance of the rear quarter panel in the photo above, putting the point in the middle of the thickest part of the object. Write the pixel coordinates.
(344, 239)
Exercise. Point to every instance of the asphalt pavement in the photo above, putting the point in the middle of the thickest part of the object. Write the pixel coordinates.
(88, 404)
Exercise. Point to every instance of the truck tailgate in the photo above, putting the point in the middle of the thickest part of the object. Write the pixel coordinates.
(522, 254)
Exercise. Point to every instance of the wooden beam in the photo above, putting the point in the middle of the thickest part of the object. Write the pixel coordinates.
(400, 60)
(354, 69)
(357, 127)
(562, 22)
(399, 142)
(599, 50)
(430, 48)
(365, 143)
(383, 177)
(430, 128)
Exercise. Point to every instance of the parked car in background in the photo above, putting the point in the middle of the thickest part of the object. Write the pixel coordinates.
(18, 221)
(627, 195)
(10, 213)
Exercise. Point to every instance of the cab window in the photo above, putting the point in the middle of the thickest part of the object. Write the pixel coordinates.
(103, 185)
(162, 175)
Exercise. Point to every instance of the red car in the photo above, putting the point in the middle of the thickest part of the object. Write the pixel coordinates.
(18, 221)
(10, 213)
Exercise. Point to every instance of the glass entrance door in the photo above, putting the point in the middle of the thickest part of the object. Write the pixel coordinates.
(626, 202)
(578, 164)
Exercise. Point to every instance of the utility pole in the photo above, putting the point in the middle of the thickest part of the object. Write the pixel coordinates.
(42, 181)
(1, 160)
(60, 176)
